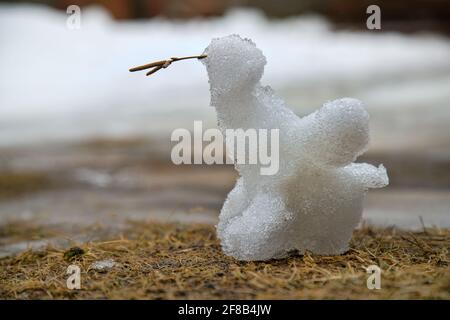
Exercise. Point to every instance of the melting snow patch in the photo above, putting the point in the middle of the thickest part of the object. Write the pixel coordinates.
(103, 265)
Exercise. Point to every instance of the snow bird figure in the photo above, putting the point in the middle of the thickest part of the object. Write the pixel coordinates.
(315, 200)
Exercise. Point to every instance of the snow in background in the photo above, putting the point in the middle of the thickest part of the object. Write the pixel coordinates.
(58, 84)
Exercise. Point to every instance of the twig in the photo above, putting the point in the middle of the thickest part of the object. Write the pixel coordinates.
(423, 224)
(162, 64)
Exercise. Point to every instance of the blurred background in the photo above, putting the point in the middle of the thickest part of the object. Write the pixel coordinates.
(83, 141)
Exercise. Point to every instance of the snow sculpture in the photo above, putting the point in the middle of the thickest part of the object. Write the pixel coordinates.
(316, 199)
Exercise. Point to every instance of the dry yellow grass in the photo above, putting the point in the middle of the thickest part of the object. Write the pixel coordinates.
(173, 261)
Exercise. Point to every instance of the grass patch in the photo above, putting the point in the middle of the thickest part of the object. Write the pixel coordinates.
(173, 261)
(14, 184)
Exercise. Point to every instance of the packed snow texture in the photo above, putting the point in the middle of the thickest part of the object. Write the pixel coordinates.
(316, 199)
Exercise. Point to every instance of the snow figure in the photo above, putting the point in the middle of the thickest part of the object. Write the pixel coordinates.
(316, 199)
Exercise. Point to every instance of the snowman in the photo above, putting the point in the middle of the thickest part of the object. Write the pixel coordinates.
(315, 200)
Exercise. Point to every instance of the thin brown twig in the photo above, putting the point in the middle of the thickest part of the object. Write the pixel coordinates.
(162, 64)
(153, 70)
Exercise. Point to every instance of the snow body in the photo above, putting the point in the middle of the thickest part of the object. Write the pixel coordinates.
(315, 200)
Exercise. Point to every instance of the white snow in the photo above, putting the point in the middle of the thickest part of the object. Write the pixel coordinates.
(58, 84)
(316, 199)
(103, 265)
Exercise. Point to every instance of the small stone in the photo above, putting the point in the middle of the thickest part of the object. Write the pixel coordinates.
(103, 265)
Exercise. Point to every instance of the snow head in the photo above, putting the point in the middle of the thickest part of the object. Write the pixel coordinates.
(234, 65)
(339, 132)
(315, 200)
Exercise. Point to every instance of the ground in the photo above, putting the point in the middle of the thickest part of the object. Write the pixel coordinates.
(184, 261)
(124, 200)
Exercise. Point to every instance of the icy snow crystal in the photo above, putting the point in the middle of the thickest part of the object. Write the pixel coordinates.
(103, 265)
(316, 199)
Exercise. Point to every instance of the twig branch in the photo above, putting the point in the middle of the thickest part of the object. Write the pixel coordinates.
(158, 65)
